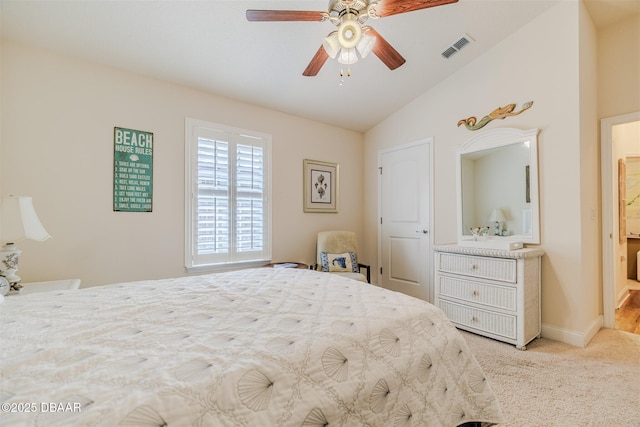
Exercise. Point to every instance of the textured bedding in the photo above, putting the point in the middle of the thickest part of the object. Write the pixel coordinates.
(260, 347)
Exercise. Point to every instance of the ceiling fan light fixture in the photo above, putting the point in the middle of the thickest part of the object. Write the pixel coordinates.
(332, 45)
(350, 16)
(349, 32)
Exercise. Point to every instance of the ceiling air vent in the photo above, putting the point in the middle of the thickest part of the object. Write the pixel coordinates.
(450, 51)
(455, 47)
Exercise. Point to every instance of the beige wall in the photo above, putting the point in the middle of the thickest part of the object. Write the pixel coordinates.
(619, 68)
(588, 290)
(58, 115)
(538, 63)
(619, 94)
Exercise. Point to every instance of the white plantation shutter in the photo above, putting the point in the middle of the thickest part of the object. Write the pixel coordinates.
(249, 198)
(212, 198)
(228, 209)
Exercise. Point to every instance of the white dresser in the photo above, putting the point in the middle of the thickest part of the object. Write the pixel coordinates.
(491, 292)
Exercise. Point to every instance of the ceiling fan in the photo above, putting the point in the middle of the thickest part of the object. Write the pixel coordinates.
(351, 38)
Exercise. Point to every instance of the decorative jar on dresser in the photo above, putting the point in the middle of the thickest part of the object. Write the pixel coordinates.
(490, 292)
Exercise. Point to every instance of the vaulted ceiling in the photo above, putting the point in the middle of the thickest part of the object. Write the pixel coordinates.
(210, 45)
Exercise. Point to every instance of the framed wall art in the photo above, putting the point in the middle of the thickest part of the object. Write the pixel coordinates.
(132, 170)
(320, 186)
(622, 200)
(632, 178)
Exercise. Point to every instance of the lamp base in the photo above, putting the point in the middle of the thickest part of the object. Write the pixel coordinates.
(9, 258)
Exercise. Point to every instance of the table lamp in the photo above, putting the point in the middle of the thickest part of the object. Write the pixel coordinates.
(18, 221)
(498, 217)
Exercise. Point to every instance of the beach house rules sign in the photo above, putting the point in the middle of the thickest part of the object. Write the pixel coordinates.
(132, 170)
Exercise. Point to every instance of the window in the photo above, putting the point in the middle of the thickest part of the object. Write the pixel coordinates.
(228, 206)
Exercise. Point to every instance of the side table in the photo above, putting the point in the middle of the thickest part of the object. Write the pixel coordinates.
(288, 265)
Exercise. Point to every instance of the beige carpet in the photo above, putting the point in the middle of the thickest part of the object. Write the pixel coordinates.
(555, 384)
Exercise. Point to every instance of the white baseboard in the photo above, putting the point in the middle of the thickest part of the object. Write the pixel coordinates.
(623, 296)
(622, 299)
(575, 338)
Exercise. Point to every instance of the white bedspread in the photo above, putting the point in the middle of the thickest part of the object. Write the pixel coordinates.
(259, 347)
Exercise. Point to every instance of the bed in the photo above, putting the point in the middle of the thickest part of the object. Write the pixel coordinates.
(256, 347)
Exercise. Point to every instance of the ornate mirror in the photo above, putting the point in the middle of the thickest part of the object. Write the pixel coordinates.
(498, 188)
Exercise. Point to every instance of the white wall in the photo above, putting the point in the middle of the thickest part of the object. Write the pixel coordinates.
(58, 115)
(539, 63)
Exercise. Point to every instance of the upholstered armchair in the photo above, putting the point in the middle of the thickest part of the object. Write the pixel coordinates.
(337, 253)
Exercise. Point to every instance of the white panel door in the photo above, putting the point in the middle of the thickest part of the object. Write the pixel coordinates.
(405, 220)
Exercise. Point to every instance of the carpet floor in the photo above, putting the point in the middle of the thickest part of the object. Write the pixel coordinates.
(555, 384)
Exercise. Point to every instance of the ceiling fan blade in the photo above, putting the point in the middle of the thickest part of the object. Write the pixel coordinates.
(316, 63)
(394, 7)
(383, 50)
(284, 15)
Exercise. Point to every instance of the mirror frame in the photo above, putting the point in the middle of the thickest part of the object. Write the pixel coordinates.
(500, 138)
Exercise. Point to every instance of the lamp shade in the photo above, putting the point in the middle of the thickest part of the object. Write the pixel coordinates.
(365, 46)
(331, 44)
(497, 216)
(19, 221)
(348, 56)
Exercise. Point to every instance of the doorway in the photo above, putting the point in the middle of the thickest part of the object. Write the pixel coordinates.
(405, 242)
(613, 278)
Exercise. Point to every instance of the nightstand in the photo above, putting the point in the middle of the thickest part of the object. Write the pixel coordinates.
(288, 265)
(55, 285)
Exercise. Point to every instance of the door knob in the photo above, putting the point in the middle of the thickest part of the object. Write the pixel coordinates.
(425, 231)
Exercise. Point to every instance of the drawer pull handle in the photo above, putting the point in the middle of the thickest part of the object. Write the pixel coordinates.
(474, 319)
(474, 266)
(474, 293)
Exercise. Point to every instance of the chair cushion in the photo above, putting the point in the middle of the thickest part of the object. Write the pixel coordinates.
(344, 262)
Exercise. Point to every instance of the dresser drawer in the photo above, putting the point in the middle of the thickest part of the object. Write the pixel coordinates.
(496, 296)
(500, 269)
(495, 323)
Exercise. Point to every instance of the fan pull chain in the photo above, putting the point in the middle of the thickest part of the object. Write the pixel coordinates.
(342, 74)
